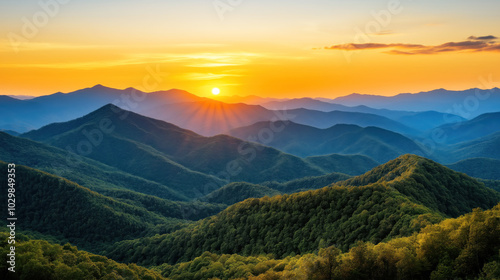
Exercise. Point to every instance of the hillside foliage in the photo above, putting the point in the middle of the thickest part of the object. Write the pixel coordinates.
(41, 260)
(395, 199)
(464, 248)
(286, 225)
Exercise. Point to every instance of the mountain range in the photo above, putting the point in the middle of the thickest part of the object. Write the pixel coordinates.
(414, 197)
(209, 117)
(481, 126)
(23, 115)
(297, 139)
(301, 140)
(196, 188)
(186, 162)
(422, 121)
(395, 199)
(467, 103)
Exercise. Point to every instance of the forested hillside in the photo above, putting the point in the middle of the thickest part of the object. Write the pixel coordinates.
(471, 252)
(393, 200)
(57, 207)
(464, 248)
(39, 259)
(81, 170)
(429, 183)
(287, 225)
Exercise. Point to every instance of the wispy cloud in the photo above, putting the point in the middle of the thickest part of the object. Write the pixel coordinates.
(370, 46)
(489, 37)
(206, 76)
(205, 60)
(472, 44)
(219, 59)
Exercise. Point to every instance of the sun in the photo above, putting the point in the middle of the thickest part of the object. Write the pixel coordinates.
(215, 91)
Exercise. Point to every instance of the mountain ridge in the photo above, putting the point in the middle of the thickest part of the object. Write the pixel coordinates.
(443, 101)
(302, 140)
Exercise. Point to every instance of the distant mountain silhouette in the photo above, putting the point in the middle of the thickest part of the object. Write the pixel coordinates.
(486, 147)
(428, 120)
(327, 119)
(210, 117)
(24, 115)
(478, 127)
(379, 144)
(202, 115)
(484, 168)
(416, 120)
(467, 103)
(213, 117)
(249, 99)
(187, 110)
(305, 103)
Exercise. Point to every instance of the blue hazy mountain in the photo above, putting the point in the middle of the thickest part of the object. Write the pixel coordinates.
(484, 168)
(24, 115)
(467, 103)
(210, 117)
(181, 107)
(417, 120)
(327, 119)
(486, 147)
(302, 140)
(204, 116)
(478, 127)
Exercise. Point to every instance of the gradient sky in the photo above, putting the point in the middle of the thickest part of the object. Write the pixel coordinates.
(314, 48)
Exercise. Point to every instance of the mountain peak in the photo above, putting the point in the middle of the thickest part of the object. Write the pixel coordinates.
(389, 171)
(6, 98)
(430, 184)
(108, 107)
(99, 86)
(130, 89)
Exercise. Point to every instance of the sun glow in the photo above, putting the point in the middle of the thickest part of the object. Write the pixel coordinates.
(215, 91)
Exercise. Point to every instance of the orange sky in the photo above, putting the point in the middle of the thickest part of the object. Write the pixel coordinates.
(256, 48)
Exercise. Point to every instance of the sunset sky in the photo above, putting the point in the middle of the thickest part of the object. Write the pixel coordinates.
(314, 48)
